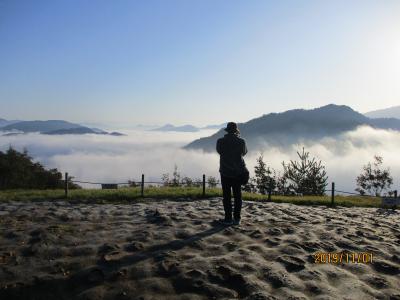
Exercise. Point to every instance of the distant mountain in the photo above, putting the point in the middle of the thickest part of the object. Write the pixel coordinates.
(40, 126)
(293, 126)
(187, 128)
(78, 130)
(385, 123)
(170, 127)
(81, 130)
(114, 133)
(12, 133)
(4, 122)
(97, 130)
(54, 127)
(223, 125)
(391, 112)
(142, 126)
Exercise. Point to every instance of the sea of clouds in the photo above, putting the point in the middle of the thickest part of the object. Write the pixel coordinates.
(110, 159)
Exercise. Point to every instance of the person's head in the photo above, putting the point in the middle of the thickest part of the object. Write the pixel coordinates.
(232, 127)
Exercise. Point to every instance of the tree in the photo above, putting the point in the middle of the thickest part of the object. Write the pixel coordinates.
(307, 176)
(250, 186)
(174, 181)
(165, 179)
(264, 177)
(211, 181)
(132, 183)
(187, 181)
(18, 171)
(197, 182)
(374, 179)
(282, 185)
(176, 177)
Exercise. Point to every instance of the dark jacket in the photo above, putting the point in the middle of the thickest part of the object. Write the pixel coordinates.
(231, 149)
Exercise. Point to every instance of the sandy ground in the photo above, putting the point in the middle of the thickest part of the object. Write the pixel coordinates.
(173, 250)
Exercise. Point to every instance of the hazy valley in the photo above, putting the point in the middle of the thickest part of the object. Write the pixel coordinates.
(344, 143)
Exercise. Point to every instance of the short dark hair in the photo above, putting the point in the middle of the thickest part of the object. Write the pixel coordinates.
(231, 127)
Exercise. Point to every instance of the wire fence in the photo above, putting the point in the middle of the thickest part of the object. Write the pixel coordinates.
(201, 184)
(138, 183)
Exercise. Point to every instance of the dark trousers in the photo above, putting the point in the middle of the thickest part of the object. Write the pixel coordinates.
(231, 184)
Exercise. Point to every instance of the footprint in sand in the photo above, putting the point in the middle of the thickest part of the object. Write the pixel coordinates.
(291, 263)
(386, 267)
(256, 248)
(310, 246)
(230, 246)
(292, 249)
(168, 268)
(227, 277)
(277, 278)
(288, 230)
(134, 246)
(183, 234)
(274, 232)
(313, 288)
(271, 243)
(377, 282)
(107, 248)
(395, 258)
(345, 245)
(256, 234)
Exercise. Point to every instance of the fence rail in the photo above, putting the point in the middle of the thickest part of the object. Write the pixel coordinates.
(202, 184)
(142, 183)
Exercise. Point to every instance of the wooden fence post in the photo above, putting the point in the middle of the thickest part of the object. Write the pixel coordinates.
(142, 186)
(66, 185)
(204, 185)
(269, 190)
(333, 194)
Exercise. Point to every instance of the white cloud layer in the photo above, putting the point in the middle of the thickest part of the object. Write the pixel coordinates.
(101, 158)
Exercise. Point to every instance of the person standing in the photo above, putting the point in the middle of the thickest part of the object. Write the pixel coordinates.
(231, 149)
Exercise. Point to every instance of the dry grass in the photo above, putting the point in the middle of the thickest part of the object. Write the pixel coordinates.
(123, 195)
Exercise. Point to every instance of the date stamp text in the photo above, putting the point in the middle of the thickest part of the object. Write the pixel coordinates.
(343, 257)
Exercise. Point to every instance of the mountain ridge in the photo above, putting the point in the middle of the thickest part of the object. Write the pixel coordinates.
(187, 127)
(40, 126)
(4, 122)
(390, 112)
(53, 127)
(292, 126)
(183, 128)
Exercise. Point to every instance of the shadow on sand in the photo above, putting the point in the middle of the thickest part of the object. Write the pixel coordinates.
(48, 287)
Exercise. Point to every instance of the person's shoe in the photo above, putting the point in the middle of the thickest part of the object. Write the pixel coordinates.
(236, 222)
(225, 222)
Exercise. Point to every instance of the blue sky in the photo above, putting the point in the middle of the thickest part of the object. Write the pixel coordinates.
(198, 62)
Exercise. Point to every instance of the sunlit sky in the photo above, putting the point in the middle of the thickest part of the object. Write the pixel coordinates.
(198, 62)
